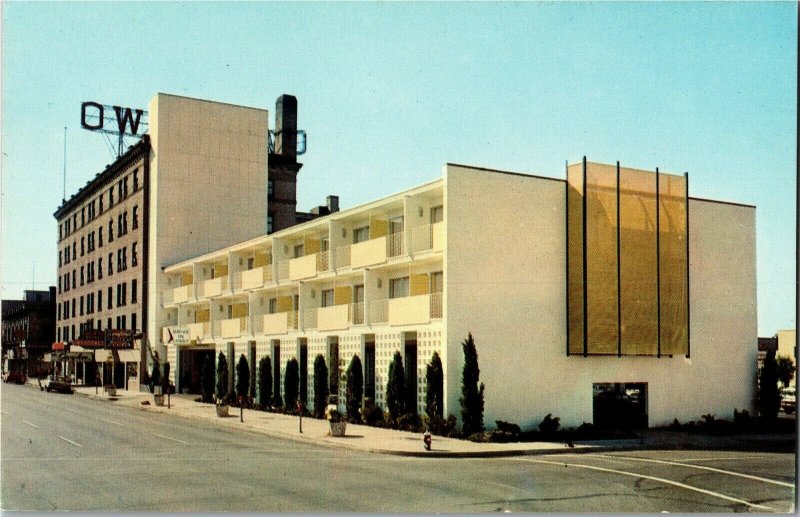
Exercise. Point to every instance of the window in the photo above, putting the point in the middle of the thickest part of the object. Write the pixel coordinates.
(60, 232)
(81, 308)
(398, 287)
(59, 292)
(119, 190)
(110, 289)
(437, 214)
(100, 236)
(108, 323)
(82, 247)
(74, 250)
(100, 322)
(59, 312)
(110, 264)
(83, 215)
(119, 260)
(273, 305)
(326, 298)
(111, 230)
(125, 223)
(123, 322)
(99, 301)
(134, 285)
(101, 203)
(59, 259)
(298, 251)
(135, 217)
(361, 234)
(124, 259)
(270, 188)
(125, 186)
(133, 322)
(134, 255)
(269, 224)
(135, 180)
(119, 226)
(73, 279)
(100, 268)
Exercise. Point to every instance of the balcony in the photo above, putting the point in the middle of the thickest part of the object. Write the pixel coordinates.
(234, 327)
(180, 294)
(213, 287)
(409, 310)
(427, 237)
(376, 251)
(198, 331)
(253, 278)
(279, 323)
(336, 317)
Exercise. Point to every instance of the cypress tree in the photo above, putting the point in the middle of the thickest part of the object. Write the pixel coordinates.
(769, 399)
(155, 374)
(265, 381)
(165, 379)
(222, 377)
(291, 381)
(320, 386)
(242, 377)
(395, 388)
(354, 389)
(471, 392)
(434, 392)
(208, 379)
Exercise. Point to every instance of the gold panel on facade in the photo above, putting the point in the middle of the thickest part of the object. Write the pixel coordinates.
(602, 336)
(673, 267)
(638, 259)
(575, 259)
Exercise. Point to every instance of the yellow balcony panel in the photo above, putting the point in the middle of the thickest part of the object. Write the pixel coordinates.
(277, 323)
(368, 253)
(410, 310)
(333, 318)
(303, 267)
(183, 293)
(234, 327)
(199, 330)
(256, 277)
(214, 287)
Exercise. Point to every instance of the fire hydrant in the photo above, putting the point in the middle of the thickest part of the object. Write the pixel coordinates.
(426, 439)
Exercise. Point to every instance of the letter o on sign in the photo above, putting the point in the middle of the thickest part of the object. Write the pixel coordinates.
(86, 124)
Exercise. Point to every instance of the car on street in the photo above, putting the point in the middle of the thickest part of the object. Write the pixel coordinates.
(788, 400)
(15, 377)
(60, 385)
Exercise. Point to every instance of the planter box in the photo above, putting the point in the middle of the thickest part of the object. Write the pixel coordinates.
(338, 428)
(158, 400)
(222, 411)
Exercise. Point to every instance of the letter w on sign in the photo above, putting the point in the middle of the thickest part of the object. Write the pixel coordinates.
(126, 118)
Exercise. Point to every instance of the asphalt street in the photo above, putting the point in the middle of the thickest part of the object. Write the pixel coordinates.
(67, 452)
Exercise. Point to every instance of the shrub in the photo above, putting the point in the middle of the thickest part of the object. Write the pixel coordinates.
(320, 385)
(165, 379)
(395, 388)
(243, 378)
(373, 415)
(409, 422)
(291, 383)
(208, 379)
(481, 437)
(265, 381)
(440, 426)
(222, 378)
(471, 391)
(549, 425)
(769, 398)
(784, 367)
(434, 391)
(354, 390)
(742, 420)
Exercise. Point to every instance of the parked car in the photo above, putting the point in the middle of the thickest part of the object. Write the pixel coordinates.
(788, 400)
(15, 377)
(60, 384)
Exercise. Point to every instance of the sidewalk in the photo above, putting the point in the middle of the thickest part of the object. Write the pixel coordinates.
(402, 443)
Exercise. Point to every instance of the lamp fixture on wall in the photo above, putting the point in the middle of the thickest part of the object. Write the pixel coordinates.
(420, 211)
(380, 283)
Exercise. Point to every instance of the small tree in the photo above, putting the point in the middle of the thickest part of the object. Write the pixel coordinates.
(320, 386)
(265, 381)
(434, 392)
(222, 378)
(291, 383)
(155, 374)
(769, 398)
(471, 391)
(165, 379)
(785, 367)
(395, 388)
(354, 389)
(243, 378)
(208, 379)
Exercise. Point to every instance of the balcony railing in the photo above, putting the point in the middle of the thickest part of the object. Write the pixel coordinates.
(323, 261)
(406, 310)
(199, 330)
(213, 287)
(357, 313)
(279, 322)
(427, 237)
(379, 311)
(253, 278)
(234, 327)
(436, 305)
(180, 294)
(394, 244)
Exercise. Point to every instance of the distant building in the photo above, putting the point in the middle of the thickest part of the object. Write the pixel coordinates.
(175, 194)
(27, 329)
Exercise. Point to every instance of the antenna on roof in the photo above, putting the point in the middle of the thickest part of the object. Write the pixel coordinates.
(64, 195)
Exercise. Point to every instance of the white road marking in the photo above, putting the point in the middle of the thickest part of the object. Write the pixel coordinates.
(68, 409)
(699, 467)
(168, 438)
(723, 459)
(653, 478)
(31, 424)
(70, 441)
(110, 421)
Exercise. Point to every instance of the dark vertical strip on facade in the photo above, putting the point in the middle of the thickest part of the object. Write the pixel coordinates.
(688, 293)
(585, 290)
(566, 249)
(619, 278)
(658, 266)
(145, 341)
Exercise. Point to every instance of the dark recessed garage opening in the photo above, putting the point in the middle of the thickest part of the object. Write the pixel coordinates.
(620, 405)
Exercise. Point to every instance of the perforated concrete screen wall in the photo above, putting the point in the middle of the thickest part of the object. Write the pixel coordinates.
(627, 261)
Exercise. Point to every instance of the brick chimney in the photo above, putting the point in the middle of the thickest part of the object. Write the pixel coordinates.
(286, 127)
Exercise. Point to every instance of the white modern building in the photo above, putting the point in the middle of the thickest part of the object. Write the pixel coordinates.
(609, 291)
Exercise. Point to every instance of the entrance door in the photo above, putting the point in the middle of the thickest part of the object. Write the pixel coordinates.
(369, 369)
(620, 405)
(333, 356)
(304, 371)
(119, 375)
(411, 372)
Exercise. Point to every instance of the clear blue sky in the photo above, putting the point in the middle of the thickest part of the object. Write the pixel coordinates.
(388, 93)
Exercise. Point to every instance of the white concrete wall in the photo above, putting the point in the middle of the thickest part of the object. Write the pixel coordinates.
(505, 283)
